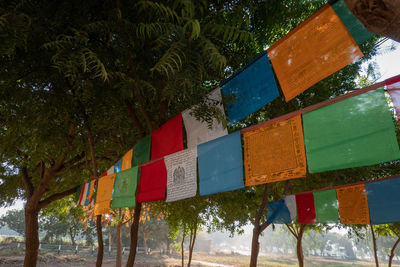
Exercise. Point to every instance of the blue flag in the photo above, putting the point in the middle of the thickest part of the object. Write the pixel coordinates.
(278, 212)
(383, 201)
(250, 89)
(118, 166)
(220, 164)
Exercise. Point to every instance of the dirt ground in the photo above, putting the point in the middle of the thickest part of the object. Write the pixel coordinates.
(199, 260)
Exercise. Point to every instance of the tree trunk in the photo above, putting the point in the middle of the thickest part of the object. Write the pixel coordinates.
(71, 235)
(100, 251)
(375, 248)
(168, 244)
(31, 236)
(255, 246)
(109, 240)
(193, 235)
(379, 16)
(144, 240)
(182, 248)
(134, 235)
(300, 255)
(392, 252)
(258, 228)
(119, 246)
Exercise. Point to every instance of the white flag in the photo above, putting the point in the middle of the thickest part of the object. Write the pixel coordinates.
(197, 131)
(290, 202)
(181, 174)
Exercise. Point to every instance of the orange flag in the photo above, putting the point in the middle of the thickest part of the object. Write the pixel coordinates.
(127, 160)
(104, 193)
(315, 49)
(353, 205)
(275, 152)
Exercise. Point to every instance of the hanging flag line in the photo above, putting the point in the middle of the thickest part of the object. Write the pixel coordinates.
(347, 185)
(305, 110)
(218, 173)
(365, 202)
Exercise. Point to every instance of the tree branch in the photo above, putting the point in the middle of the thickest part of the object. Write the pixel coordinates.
(291, 230)
(134, 118)
(264, 226)
(27, 182)
(57, 196)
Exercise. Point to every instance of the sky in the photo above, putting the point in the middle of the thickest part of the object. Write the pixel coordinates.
(388, 62)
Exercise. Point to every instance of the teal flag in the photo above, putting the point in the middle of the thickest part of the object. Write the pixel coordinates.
(141, 151)
(326, 206)
(124, 195)
(384, 201)
(353, 25)
(358, 131)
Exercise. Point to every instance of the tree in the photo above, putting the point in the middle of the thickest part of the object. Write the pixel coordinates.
(297, 230)
(13, 219)
(392, 230)
(186, 216)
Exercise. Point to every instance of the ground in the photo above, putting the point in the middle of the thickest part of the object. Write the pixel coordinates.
(200, 260)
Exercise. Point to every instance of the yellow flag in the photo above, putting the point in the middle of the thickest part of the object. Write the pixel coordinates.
(275, 152)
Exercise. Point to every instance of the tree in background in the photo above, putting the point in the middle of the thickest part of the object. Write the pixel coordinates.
(14, 220)
(186, 216)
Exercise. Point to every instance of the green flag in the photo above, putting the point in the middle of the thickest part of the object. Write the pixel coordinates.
(141, 151)
(124, 195)
(326, 206)
(353, 25)
(78, 194)
(358, 131)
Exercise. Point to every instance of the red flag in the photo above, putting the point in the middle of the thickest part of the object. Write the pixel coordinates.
(152, 182)
(305, 208)
(393, 88)
(167, 139)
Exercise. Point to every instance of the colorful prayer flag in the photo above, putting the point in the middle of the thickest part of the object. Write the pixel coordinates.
(318, 47)
(290, 202)
(383, 201)
(353, 204)
(326, 206)
(127, 160)
(275, 152)
(355, 132)
(152, 182)
(353, 25)
(181, 174)
(250, 89)
(305, 208)
(82, 194)
(91, 196)
(277, 212)
(167, 139)
(220, 164)
(104, 194)
(110, 171)
(141, 151)
(118, 166)
(393, 88)
(125, 188)
(197, 131)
